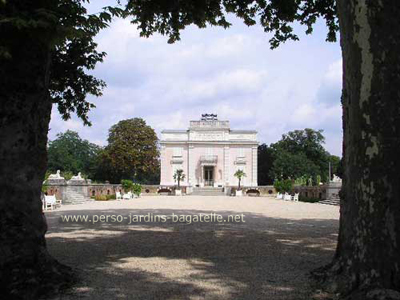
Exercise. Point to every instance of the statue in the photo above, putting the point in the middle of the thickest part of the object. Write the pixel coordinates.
(56, 176)
(209, 117)
(336, 178)
(77, 177)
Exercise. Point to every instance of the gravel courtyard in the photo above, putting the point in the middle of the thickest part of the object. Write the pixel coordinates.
(268, 256)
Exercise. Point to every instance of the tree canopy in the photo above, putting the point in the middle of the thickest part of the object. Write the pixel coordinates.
(70, 31)
(275, 16)
(132, 152)
(300, 153)
(265, 161)
(69, 153)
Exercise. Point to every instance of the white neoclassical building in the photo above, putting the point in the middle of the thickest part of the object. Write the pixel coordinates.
(209, 153)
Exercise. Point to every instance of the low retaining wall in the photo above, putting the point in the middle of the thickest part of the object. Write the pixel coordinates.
(68, 190)
(323, 192)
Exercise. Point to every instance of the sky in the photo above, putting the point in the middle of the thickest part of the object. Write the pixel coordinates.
(231, 73)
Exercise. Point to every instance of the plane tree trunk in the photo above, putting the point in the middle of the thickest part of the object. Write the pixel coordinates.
(26, 268)
(367, 260)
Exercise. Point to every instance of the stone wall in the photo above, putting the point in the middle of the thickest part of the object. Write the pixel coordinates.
(68, 191)
(311, 191)
(265, 190)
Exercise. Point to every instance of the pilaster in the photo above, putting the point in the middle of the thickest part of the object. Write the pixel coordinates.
(226, 165)
(254, 180)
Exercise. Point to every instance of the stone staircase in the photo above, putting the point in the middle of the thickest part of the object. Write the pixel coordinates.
(333, 201)
(73, 197)
(207, 191)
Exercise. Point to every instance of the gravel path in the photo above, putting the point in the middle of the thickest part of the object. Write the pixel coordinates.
(268, 256)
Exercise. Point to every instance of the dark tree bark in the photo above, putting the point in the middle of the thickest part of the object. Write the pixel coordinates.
(367, 260)
(26, 268)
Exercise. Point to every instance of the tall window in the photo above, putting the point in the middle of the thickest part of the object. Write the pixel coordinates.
(209, 151)
(177, 152)
(241, 152)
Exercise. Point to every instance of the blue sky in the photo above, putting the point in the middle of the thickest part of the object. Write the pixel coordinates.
(232, 73)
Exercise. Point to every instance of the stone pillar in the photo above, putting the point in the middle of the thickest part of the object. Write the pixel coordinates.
(254, 181)
(191, 166)
(163, 175)
(226, 165)
(202, 176)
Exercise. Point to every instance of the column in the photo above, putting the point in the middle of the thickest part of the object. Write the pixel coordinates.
(202, 176)
(163, 175)
(226, 165)
(254, 181)
(191, 166)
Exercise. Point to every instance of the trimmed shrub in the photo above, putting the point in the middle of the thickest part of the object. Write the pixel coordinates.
(309, 199)
(136, 189)
(111, 197)
(101, 198)
(283, 186)
(127, 184)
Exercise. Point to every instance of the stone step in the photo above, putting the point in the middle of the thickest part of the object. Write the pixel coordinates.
(75, 198)
(330, 202)
(208, 188)
(207, 194)
(207, 191)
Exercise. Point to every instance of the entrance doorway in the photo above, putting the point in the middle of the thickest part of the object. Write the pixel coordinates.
(208, 176)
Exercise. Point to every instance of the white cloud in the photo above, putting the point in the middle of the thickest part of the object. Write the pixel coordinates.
(334, 74)
(229, 72)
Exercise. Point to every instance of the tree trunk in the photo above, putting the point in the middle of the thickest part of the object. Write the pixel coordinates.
(367, 259)
(26, 268)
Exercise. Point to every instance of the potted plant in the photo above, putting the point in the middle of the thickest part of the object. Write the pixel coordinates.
(137, 189)
(127, 185)
(178, 176)
(283, 186)
(239, 174)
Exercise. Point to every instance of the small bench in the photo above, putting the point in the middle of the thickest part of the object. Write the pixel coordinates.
(50, 202)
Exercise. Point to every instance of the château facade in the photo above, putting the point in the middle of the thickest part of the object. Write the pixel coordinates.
(209, 153)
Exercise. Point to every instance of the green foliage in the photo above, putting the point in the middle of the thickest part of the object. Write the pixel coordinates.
(48, 173)
(101, 198)
(70, 154)
(309, 199)
(283, 186)
(318, 179)
(127, 185)
(67, 175)
(288, 165)
(179, 176)
(302, 181)
(265, 161)
(136, 189)
(131, 152)
(64, 27)
(111, 197)
(301, 153)
(276, 17)
(239, 174)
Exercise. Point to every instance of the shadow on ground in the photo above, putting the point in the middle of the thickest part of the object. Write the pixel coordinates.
(262, 258)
